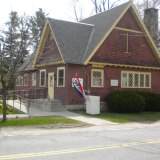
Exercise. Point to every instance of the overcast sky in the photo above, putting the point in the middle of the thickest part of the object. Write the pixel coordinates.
(59, 9)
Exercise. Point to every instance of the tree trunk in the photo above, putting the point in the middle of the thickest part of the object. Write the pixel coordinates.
(4, 97)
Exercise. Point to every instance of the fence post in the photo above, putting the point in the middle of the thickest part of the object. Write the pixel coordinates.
(20, 103)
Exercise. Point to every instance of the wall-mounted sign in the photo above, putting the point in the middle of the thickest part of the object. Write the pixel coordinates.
(114, 82)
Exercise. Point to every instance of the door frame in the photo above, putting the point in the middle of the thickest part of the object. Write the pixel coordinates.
(49, 86)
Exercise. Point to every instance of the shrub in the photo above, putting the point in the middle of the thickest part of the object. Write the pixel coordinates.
(125, 102)
(152, 101)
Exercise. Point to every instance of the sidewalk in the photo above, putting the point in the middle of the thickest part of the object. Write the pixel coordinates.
(85, 119)
(34, 111)
(67, 114)
(13, 116)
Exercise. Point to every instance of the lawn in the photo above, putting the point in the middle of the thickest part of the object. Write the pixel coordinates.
(145, 117)
(50, 120)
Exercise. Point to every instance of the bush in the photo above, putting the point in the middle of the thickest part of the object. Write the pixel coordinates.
(152, 101)
(125, 102)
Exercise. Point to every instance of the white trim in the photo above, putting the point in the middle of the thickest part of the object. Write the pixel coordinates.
(102, 77)
(142, 26)
(34, 79)
(128, 30)
(101, 64)
(44, 31)
(18, 80)
(150, 39)
(25, 79)
(58, 69)
(42, 70)
(139, 73)
(107, 33)
(55, 39)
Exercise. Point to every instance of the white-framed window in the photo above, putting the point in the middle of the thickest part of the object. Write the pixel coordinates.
(60, 77)
(42, 78)
(25, 79)
(97, 78)
(19, 81)
(34, 79)
(132, 79)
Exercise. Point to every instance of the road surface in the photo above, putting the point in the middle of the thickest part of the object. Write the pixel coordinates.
(112, 142)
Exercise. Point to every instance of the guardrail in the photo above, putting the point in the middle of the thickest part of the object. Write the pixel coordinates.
(16, 101)
(20, 98)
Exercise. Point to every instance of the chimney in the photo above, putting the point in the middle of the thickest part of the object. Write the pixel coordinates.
(151, 22)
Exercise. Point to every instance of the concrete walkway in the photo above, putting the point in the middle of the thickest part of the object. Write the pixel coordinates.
(85, 119)
(14, 116)
(34, 111)
(67, 114)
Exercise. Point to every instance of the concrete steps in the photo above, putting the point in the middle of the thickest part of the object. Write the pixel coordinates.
(37, 105)
(46, 105)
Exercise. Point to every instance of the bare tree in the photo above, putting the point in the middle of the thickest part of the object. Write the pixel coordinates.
(77, 9)
(103, 5)
(142, 5)
(149, 4)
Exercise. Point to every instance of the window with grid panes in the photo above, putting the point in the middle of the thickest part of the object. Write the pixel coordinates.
(42, 78)
(97, 78)
(135, 79)
(60, 77)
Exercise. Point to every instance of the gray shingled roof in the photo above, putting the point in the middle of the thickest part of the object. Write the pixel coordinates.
(27, 65)
(72, 39)
(77, 40)
(102, 23)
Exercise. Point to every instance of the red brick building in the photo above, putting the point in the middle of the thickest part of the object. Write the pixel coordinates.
(109, 51)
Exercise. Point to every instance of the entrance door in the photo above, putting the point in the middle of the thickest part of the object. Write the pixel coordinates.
(51, 86)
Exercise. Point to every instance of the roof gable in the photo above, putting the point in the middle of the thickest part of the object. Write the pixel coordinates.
(123, 9)
(78, 42)
(128, 21)
(103, 25)
(45, 55)
(72, 39)
(50, 52)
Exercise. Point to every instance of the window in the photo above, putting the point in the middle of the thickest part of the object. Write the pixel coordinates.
(135, 79)
(19, 81)
(42, 78)
(34, 79)
(97, 76)
(25, 79)
(60, 77)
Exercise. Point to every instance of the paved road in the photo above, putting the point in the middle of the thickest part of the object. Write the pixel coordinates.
(112, 142)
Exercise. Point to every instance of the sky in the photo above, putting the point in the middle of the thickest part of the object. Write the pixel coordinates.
(58, 9)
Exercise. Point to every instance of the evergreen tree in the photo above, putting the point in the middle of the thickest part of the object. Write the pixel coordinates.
(14, 47)
(37, 23)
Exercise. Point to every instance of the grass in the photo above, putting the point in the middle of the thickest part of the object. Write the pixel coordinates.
(10, 110)
(50, 120)
(145, 117)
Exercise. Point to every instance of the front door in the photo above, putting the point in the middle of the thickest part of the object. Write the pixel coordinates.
(51, 86)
